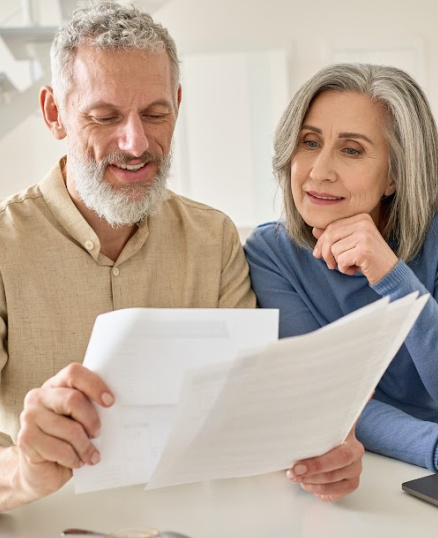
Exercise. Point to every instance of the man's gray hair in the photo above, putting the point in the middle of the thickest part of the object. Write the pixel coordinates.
(413, 149)
(109, 26)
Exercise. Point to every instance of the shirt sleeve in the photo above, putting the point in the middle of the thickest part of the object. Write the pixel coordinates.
(5, 439)
(387, 430)
(235, 284)
(422, 340)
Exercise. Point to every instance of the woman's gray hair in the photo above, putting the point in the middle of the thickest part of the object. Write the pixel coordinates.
(110, 26)
(413, 150)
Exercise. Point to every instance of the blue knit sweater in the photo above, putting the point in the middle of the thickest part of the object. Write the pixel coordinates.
(401, 420)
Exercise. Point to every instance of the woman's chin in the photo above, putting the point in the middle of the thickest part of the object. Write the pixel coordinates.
(318, 223)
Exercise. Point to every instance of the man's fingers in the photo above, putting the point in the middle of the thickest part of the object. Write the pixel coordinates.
(40, 448)
(57, 422)
(80, 378)
(39, 424)
(60, 412)
(61, 401)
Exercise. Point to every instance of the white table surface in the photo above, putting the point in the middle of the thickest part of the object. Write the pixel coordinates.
(267, 506)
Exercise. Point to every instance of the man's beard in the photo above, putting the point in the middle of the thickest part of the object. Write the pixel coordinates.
(119, 206)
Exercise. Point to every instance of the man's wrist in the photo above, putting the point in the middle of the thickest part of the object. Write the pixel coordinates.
(14, 491)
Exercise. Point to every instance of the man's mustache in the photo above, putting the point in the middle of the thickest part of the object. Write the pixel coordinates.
(120, 157)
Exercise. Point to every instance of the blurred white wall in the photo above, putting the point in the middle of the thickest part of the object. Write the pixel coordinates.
(307, 35)
(223, 155)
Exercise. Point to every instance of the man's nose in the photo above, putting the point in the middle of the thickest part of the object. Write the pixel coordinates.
(132, 137)
(324, 167)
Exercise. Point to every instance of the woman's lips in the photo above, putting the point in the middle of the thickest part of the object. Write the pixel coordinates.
(323, 198)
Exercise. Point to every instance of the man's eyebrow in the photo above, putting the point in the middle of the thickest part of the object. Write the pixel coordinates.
(98, 104)
(341, 135)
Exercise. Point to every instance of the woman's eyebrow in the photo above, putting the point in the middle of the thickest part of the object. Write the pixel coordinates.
(311, 128)
(355, 135)
(341, 135)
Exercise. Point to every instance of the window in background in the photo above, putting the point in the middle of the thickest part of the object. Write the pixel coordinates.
(223, 148)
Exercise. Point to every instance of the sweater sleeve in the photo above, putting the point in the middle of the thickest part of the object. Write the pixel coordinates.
(422, 339)
(275, 287)
(387, 430)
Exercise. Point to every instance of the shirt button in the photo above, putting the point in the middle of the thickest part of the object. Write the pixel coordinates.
(89, 245)
(116, 271)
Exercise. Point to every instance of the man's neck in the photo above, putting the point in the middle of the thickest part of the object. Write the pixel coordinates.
(112, 240)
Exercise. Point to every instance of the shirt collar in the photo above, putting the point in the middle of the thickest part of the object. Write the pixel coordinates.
(69, 217)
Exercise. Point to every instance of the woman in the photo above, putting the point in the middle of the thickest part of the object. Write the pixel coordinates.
(356, 155)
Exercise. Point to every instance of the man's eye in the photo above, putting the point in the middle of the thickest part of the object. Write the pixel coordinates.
(155, 117)
(105, 119)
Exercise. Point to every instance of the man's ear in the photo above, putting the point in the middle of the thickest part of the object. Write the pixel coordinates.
(179, 95)
(51, 113)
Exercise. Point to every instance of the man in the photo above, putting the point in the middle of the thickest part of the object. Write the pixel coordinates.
(101, 232)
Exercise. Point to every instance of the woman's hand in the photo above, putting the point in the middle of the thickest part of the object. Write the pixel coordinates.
(355, 244)
(334, 474)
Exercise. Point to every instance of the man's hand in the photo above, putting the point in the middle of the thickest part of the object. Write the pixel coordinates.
(355, 244)
(332, 475)
(57, 425)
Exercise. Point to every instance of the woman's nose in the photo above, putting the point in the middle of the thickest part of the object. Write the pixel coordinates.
(324, 167)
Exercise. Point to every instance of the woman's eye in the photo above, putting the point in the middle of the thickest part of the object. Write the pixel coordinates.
(311, 143)
(352, 152)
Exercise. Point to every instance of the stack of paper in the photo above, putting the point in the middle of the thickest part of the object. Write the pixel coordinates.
(232, 401)
(142, 355)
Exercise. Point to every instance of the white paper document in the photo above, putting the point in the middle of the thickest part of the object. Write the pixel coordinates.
(246, 408)
(142, 355)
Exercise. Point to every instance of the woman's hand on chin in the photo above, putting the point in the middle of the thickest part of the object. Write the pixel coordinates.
(355, 244)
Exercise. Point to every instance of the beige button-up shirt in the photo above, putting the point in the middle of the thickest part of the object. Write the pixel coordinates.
(55, 281)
